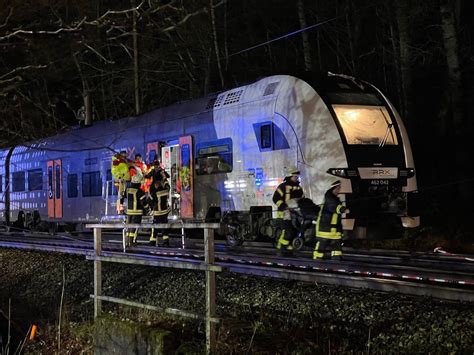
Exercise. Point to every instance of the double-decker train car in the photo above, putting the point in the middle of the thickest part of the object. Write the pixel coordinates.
(226, 154)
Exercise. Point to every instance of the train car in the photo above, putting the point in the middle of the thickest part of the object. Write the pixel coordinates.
(226, 154)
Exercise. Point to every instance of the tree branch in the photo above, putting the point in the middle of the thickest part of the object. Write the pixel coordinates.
(188, 16)
(41, 32)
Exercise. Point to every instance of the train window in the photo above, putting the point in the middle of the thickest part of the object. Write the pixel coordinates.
(269, 136)
(354, 98)
(58, 180)
(72, 188)
(18, 183)
(151, 156)
(35, 179)
(214, 157)
(90, 161)
(1, 183)
(91, 184)
(366, 125)
(50, 182)
(110, 183)
(266, 136)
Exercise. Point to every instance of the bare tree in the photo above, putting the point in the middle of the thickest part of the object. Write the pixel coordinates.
(304, 34)
(403, 16)
(450, 42)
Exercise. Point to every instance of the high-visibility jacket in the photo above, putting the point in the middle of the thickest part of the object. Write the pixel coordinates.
(119, 168)
(136, 200)
(159, 196)
(328, 223)
(286, 191)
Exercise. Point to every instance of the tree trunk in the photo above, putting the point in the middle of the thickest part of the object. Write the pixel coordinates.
(216, 45)
(351, 37)
(448, 25)
(460, 141)
(136, 80)
(396, 63)
(402, 12)
(304, 34)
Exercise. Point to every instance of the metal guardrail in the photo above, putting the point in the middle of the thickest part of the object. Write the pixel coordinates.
(208, 267)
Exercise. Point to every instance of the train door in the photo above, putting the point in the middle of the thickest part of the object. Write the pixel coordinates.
(177, 160)
(55, 189)
(153, 151)
(170, 155)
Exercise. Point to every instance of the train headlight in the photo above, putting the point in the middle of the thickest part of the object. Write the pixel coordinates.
(408, 173)
(346, 173)
(337, 172)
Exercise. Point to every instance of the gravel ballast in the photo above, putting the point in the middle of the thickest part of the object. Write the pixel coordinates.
(259, 314)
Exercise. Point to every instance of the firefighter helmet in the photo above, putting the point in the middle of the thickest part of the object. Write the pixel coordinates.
(292, 171)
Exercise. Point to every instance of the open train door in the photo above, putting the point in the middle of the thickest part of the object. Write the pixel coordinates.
(177, 160)
(170, 156)
(55, 189)
(186, 176)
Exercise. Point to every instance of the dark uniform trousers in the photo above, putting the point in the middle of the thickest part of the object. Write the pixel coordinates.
(285, 192)
(136, 202)
(159, 198)
(329, 228)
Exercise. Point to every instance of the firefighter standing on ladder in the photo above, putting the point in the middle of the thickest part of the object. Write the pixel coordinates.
(289, 189)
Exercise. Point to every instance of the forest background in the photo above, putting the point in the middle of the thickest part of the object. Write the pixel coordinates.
(132, 56)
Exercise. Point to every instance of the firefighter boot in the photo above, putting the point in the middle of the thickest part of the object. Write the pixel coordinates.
(166, 241)
(153, 241)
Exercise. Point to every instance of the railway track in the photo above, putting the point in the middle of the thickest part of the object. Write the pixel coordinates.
(442, 276)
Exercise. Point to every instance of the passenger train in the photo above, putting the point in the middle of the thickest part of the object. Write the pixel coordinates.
(226, 154)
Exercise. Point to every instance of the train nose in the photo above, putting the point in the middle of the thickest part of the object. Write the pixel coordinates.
(396, 205)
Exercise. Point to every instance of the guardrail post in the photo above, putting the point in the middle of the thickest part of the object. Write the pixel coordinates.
(97, 272)
(124, 239)
(210, 291)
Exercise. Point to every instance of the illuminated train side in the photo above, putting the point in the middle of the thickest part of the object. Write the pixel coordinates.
(231, 151)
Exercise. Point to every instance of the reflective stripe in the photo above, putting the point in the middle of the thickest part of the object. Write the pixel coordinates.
(162, 212)
(282, 239)
(339, 208)
(280, 214)
(161, 198)
(334, 219)
(133, 192)
(328, 235)
(279, 202)
(134, 212)
(336, 253)
(317, 255)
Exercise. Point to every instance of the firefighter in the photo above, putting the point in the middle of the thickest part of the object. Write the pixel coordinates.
(289, 189)
(121, 175)
(136, 203)
(154, 168)
(329, 225)
(139, 164)
(159, 196)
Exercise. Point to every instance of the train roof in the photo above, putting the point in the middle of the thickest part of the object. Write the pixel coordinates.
(331, 87)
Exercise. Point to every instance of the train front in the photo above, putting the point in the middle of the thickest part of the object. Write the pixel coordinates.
(380, 183)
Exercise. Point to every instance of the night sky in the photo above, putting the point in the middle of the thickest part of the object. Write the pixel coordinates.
(419, 53)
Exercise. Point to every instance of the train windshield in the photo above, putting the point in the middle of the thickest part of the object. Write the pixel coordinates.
(366, 125)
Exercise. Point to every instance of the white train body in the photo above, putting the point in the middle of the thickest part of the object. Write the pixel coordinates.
(336, 128)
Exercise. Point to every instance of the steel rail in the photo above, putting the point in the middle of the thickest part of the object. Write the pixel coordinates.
(335, 273)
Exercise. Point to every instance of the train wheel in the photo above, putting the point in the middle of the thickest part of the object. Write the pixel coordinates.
(4, 228)
(298, 243)
(233, 239)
